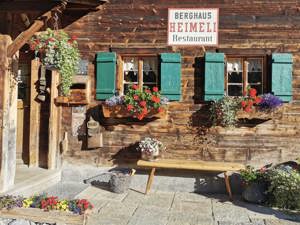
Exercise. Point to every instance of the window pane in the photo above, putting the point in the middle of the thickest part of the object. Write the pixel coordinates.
(130, 69)
(131, 76)
(149, 76)
(254, 65)
(235, 77)
(235, 90)
(150, 69)
(234, 65)
(254, 77)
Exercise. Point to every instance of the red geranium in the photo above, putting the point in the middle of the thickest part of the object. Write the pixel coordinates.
(155, 99)
(257, 100)
(129, 107)
(143, 103)
(243, 103)
(136, 97)
(252, 92)
(135, 87)
(155, 89)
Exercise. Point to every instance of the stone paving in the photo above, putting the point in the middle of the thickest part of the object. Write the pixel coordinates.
(177, 208)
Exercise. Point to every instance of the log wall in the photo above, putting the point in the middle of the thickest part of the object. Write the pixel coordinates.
(252, 27)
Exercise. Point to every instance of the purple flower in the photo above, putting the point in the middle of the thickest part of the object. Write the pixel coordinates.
(115, 100)
(269, 102)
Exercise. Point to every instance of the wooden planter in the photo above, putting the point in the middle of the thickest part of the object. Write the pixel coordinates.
(41, 216)
(120, 111)
(63, 100)
(254, 114)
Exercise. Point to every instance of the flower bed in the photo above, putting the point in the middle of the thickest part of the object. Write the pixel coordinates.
(136, 103)
(43, 208)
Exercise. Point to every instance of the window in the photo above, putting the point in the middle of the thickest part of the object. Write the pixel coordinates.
(115, 73)
(243, 72)
(142, 71)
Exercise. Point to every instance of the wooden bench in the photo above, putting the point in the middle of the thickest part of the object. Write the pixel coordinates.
(191, 165)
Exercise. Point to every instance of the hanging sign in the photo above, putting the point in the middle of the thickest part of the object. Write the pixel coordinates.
(197, 26)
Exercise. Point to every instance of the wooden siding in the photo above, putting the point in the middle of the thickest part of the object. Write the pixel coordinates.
(246, 27)
(139, 26)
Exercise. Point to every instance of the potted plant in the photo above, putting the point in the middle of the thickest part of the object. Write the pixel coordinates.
(136, 103)
(224, 111)
(255, 184)
(150, 148)
(57, 50)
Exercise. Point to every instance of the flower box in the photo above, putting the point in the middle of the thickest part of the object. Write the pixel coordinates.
(63, 100)
(41, 216)
(120, 111)
(256, 114)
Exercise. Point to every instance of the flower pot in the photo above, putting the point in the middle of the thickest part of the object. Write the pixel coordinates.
(150, 156)
(255, 192)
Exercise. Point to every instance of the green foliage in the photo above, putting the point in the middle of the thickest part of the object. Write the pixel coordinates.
(140, 103)
(251, 175)
(284, 188)
(223, 111)
(57, 49)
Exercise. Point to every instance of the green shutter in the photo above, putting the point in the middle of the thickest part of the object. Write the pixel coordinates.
(171, 75)
(282, 67)
(214, 76)
(106, 75)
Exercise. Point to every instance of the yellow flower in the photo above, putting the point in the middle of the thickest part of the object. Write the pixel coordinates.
(27, 202)
(63, 205)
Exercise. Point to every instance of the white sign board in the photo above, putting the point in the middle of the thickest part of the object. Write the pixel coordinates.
(193, 26)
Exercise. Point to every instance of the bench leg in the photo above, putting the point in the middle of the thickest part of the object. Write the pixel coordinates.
(227, 183)
(150, 179)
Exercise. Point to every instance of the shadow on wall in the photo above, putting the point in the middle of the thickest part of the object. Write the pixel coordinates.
(127, 154)
(199, 80)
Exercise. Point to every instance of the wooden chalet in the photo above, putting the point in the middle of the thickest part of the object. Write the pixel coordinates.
(127, 41)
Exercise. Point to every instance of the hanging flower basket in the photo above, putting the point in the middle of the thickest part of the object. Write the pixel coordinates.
(57, 51)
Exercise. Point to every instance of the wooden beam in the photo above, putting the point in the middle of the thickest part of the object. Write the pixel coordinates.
(29, 6)
(34, 123)
(25, 19)
(27, 34)
(53, 122)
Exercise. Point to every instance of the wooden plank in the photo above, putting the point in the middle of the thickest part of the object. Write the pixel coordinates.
(38, 215)
(34, 116)
(53, 122)
(192, 165)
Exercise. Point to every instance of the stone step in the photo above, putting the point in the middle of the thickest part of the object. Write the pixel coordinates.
(29, 181)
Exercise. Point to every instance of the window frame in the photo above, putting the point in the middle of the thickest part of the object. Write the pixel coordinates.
(120, 70)
(245, 71)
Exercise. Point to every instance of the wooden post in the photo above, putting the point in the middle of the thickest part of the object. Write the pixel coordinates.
(140, 74)
(8, 118)
(34, 116)
(53, 122)
(227, 183)
(150, 179)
